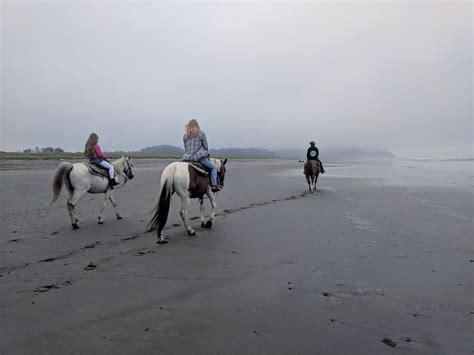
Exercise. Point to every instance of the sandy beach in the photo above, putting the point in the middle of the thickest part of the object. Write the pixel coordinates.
(378, 261)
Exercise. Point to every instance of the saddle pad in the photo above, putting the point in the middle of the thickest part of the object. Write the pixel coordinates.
(198, 181)
(97, 169)
(197, 166)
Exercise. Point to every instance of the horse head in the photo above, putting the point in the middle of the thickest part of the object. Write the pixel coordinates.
(127, 165)
(221, 170)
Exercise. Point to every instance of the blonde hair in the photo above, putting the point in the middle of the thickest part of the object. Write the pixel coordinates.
(192, 129)
(90, 145)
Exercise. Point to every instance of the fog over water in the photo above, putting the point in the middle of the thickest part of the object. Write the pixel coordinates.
(392, 75)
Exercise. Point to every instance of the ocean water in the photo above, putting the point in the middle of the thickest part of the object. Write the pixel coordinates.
(446, 187)
(410, 172)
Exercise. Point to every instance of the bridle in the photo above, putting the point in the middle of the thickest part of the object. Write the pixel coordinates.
(220, 174)
(127, 171)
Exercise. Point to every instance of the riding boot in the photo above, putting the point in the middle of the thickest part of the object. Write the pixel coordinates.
(322, 168)
(113, 182)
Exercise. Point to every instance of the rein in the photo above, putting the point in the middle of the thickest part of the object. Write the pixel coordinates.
(125, 179)
(124, 176)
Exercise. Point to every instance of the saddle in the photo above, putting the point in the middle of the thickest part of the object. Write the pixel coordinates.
(95, 169)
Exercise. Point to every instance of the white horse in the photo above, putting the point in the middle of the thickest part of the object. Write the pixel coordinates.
(188, 182)
(79, 180)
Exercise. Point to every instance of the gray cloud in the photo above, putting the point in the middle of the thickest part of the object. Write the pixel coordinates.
(365, 74)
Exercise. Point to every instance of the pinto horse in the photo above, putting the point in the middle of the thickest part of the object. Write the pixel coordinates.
(311, 172)
(188, 181)
(80, 179)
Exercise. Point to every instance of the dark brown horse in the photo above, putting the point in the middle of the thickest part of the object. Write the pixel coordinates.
(311, 172)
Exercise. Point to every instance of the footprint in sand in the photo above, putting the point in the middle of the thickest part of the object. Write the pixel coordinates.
(90, 267)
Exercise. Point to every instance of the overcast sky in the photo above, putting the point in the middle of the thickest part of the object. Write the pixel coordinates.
(394, 75)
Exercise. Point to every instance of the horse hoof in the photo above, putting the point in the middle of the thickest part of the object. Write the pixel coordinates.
(100, 222)
(208, 224)
(119, 217)
(191, 232)
(75, 226)
(203, 225)
(161, 241)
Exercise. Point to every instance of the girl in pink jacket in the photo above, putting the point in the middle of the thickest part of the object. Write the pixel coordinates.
(95, 155)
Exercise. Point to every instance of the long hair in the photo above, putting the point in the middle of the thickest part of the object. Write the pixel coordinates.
(90, 145)
(192, 129)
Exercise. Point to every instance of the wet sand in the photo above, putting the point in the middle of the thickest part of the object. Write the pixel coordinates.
(380, 251)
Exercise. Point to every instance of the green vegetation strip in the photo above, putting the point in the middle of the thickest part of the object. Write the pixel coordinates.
(115, 155)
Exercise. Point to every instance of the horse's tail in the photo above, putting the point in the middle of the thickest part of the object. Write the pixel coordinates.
(62, 171)
(160, 215)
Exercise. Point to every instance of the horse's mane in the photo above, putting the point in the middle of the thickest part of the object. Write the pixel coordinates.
(119, 161)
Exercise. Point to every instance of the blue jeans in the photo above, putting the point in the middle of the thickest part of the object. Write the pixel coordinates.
(208, 164)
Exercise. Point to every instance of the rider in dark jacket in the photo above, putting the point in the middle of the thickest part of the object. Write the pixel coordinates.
(313, 154)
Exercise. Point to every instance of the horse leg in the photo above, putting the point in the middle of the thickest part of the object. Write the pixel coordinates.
(202, 209)
(72, 215)
(102, 207)
(315, 181)
(212, 200)
(70, 209)
(184, 214)
(71, 206)
(115, 204)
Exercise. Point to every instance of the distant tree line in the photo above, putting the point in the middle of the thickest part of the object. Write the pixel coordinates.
(258, 153)
(170, 150)
(44, 150)
(163, 149)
